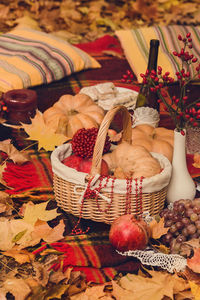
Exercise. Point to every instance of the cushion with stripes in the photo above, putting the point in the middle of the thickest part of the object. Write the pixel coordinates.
(135, 43)
(30, 57)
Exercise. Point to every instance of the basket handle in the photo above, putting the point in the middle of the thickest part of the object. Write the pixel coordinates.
(102, 133)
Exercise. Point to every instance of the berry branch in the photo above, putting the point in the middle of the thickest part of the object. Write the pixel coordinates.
(184, 112)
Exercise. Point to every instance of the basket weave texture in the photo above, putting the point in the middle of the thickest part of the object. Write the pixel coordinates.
(114, 200)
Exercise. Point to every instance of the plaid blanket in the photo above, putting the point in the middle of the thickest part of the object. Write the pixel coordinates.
(91, 252)
(32, 179)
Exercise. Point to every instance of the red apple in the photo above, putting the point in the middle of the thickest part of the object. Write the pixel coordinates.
(86, 165)
(72, 161)
(129, 233)
(83, 164)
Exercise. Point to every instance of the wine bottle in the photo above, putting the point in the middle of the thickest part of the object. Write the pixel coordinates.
(146, 97)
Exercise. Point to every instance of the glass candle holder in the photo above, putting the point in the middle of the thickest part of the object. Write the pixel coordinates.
(21, 104)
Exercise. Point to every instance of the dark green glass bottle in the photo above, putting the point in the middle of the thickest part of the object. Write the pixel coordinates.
(146, 97)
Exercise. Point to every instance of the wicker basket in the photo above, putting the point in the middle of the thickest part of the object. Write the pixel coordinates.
(70, 185)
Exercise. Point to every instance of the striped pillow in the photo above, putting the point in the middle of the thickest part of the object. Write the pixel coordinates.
(135, 44)
(29, 57)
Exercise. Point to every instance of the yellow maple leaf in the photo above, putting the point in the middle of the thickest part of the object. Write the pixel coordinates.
(195, 289)
(34, 212)
(46, 137)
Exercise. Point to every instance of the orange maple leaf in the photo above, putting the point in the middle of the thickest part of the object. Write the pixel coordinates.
(157, 229)
(196, 158)
(194, 262)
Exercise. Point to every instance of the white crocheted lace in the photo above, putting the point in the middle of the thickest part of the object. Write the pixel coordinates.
(169, 262)
(145, 115)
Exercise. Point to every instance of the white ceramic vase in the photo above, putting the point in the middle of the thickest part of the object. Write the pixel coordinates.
(181, 185)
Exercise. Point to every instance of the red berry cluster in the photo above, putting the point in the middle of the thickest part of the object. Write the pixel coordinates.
(83, 142)
(128, 77)
(185, 55)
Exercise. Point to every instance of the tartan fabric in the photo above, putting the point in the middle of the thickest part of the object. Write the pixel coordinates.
(91, 254)
(34, 174)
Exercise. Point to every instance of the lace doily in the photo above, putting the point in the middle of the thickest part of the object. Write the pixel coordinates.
(169, 262)
(146, 115)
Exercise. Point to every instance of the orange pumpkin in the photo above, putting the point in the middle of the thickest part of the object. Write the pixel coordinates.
(159, 140)
(71, 113)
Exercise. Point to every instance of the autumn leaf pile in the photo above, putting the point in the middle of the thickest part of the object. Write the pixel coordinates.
(25, 275)
(82, 21)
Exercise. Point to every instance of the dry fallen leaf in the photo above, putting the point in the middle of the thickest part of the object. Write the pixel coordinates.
(3, 293)
(41, 273)
(39, 131)
(54, 292)
(17, 287)
(162, 248)
(195, 289)
(20, 255)
(43, 231)
(188, 246)
(189, 275)
(15, 155)
(2, 167)
(26, 231)
(155, 288)
(6, 203)
(196, 158)
(93, 293)
(121, 293)
(34, 212)
(194, 262)
(157, 229)
(27, 21)
(88, 20)
(6, 235)
(184, 295)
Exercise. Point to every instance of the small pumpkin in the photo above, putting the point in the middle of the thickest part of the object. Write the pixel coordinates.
(159, 140)
(71, 113)
(132, 161)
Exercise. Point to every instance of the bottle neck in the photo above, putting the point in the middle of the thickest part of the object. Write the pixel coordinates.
(153, 55)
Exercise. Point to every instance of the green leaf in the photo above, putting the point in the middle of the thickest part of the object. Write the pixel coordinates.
(18, 236)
